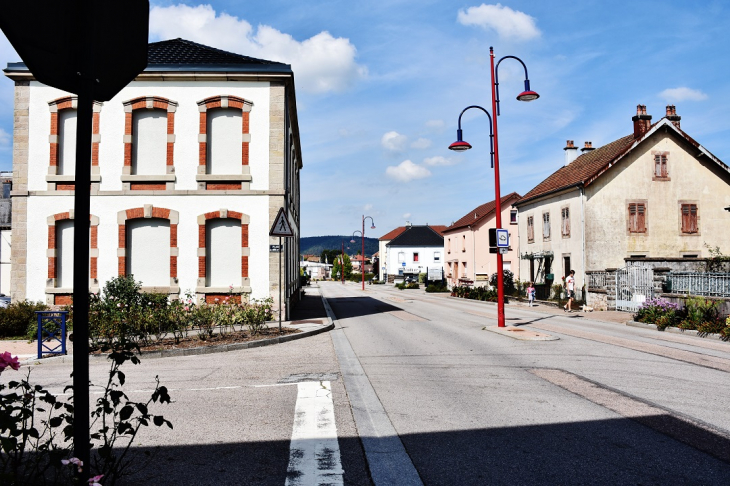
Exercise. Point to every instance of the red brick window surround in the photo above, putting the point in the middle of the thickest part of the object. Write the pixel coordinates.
(210, 292)
(207, 177)
(136, 178)
(61, 167)
(56, 295)
(148, 211)
(661, 163)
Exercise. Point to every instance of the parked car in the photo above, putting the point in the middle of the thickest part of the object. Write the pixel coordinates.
(4, 300)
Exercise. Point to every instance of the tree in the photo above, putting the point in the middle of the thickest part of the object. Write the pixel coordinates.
(336, 267)
(329, 255)
(508, 280)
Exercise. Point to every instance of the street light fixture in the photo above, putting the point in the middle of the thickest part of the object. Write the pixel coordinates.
(460, 145)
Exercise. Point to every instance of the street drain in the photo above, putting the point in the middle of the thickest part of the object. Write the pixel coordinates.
(302, 377)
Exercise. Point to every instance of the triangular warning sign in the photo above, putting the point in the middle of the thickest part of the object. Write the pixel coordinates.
(281, 225)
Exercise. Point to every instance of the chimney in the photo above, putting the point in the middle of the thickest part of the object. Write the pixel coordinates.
(571, 152)
(642, 121)
(588, 147)
(408, 225)
(672, 115)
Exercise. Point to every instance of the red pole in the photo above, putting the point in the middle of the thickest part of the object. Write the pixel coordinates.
(362, 262)
(497, 202)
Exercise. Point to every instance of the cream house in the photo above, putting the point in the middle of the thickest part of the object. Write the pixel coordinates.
(190, 164)
(466, 244)
(654, 193)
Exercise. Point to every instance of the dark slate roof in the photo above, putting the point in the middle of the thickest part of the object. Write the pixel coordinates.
(181, 52)
(418, 236)
(482, 212)
(184, 55)
(438, 228)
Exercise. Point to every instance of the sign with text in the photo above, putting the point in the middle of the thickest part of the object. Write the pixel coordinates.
(275, 248)
(435, 273)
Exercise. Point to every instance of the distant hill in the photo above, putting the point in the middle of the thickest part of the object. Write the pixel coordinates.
(314, 245)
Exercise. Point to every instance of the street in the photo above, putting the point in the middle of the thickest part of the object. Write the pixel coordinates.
(421, 393)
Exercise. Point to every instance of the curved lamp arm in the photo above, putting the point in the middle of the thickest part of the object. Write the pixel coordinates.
(527, 95)
(491, 130)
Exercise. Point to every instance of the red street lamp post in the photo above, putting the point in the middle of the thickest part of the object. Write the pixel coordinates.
(460, 145)
(362, 234)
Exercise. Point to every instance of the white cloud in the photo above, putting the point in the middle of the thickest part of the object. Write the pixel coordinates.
(321, 63)
(5, 138)
(435, 124)
(367, 207)
(682, 94)
(421, 143)
(407, 171)
(438, 160)
(394, 141)
(406, 215)
(507, 23)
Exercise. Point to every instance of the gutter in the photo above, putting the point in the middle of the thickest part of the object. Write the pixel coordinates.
(522, 202)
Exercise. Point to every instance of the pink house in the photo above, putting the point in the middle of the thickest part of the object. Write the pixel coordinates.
(466, 244)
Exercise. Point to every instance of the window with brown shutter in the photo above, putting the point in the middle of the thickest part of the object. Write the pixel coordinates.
(637, 217)
(545, 226)
(565, 223)
(689, 219)
(661, 170)
(530, 230)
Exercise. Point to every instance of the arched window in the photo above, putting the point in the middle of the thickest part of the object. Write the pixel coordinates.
(224, 140)
(220, 236)
(149, 144)
(148, 247)
(62, 164)
(59, 286)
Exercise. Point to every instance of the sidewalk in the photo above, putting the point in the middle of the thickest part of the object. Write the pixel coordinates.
(306, 315)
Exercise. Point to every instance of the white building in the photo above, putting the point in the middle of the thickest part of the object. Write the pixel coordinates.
(417, 249)
(190, 165)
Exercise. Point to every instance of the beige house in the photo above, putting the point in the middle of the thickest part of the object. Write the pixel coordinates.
(466, 244)
(655, 193)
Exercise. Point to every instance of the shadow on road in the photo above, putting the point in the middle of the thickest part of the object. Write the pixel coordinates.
(614, 451)
(347, 307)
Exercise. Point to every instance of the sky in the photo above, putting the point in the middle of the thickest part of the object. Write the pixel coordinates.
(380, 85)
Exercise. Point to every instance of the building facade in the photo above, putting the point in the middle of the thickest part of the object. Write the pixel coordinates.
(190, 165)
(415, 250)
(656, 193)
(466, 244)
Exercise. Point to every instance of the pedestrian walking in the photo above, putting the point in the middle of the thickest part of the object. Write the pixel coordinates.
(570, 290)
(530, 294)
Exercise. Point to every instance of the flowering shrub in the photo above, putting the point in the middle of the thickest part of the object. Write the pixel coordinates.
(660, 312)
(702, 315)
(476, 293)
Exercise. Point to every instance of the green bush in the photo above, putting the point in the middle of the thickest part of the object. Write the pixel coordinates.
(437, 287)
(422, 278)
(18, 317)
(476, 293)
(660, 312)
(702, 315)
(508, 279)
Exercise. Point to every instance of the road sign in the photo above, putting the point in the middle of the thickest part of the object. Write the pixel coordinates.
(502, 238)
(281, 226)
(66, 43)
(275, 248)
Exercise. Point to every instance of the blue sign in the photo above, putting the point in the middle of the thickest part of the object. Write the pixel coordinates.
(502, 238)
(403, 264)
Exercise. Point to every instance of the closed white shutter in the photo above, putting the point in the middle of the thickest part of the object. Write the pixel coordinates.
(66, 142)
(149, 142)
(148, 251)
(223, 255)
(224, 141)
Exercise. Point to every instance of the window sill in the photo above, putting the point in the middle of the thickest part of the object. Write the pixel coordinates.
(223, 177)
(223, 290)
(70, 179)
(661, 179)
(147, 178)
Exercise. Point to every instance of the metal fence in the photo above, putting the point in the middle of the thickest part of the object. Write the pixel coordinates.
(596, 280)
(695, 283)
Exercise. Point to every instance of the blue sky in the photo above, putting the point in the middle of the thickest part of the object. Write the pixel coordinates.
(380, 86)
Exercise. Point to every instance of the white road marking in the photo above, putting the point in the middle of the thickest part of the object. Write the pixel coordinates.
(314, 453)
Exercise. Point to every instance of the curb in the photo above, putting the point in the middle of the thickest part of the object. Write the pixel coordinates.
(221, 348)
(677, 330)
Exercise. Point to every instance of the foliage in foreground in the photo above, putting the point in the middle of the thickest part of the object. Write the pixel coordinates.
(18, 317)
(698, 314)
(476, 293)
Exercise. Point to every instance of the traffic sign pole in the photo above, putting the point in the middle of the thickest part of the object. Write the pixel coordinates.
(280, 272)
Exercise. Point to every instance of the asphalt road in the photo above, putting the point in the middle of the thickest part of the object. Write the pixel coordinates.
(605, 403)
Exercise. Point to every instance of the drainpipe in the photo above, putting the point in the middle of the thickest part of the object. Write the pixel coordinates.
(583, 234)
(473, 256)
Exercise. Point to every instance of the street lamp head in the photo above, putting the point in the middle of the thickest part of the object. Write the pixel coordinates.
(352, 241)
(527, 94)
(460, 145)
(373, 226)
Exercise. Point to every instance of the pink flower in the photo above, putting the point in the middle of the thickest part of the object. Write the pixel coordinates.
(187, 308)
(6, 359)
(119, 304)
(76, 461)
(95, 480)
